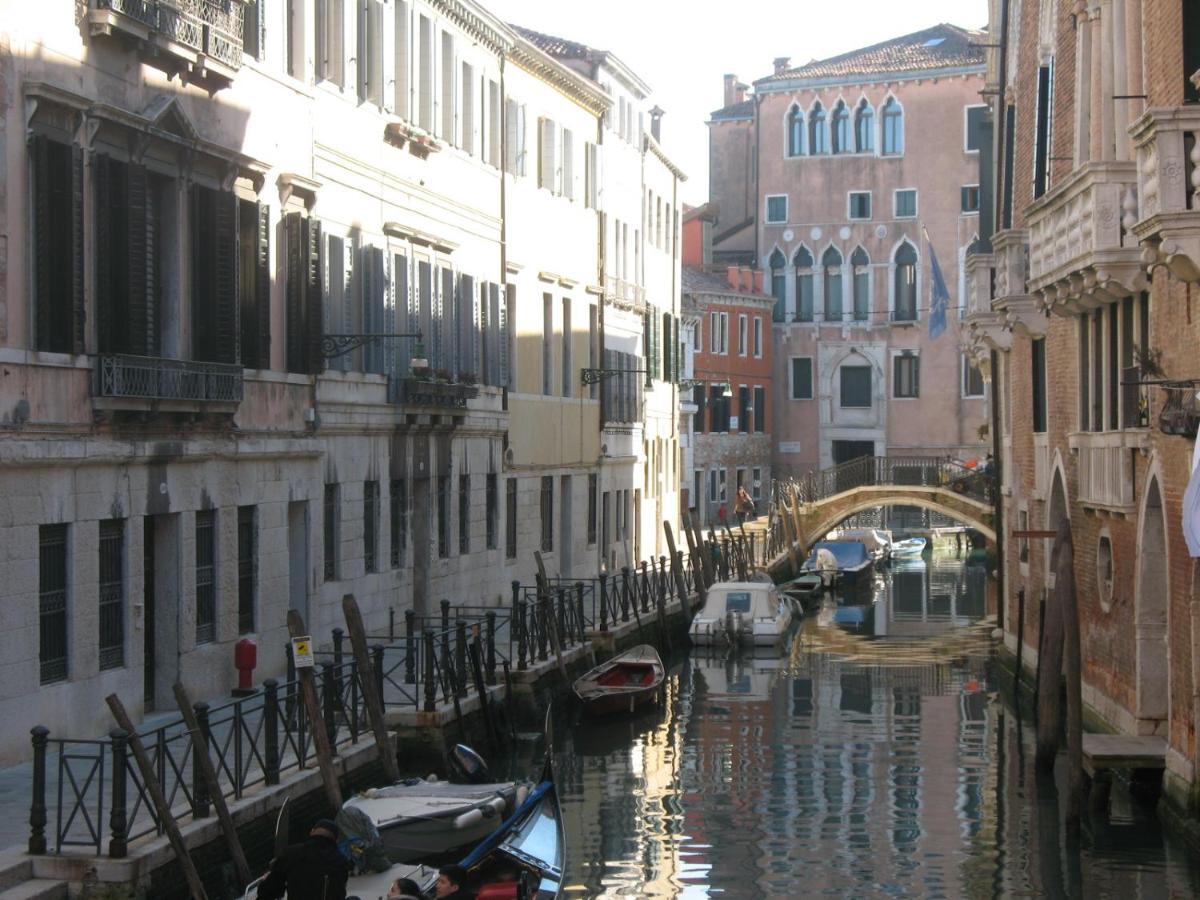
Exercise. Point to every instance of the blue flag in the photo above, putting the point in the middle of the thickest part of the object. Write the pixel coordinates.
(940, 297)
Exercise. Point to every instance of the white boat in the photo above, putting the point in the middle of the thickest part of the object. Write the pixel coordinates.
(908, 548)
(374, 885)
(877, 541)
(742, 612)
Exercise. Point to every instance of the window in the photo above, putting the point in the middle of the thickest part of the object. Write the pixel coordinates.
(425, 79)
(492, 502)
(744, 424)
(778, 287)
(864, 127)
(969, 196)
(252, 30)
(861, 264)
(905, 284)
(398, 508)
(112, 594)
(1109, 397)
(831, 263)
(906, 204)
(716, 486)
(331, 53)
(1043, 130)
(818, 139)
(52, 603)
(464, 514)
(57, 232)
(777, 205)
(247, 567)
(1010, 149)
(510, 518)
(593, 490)
(449, 112)
(1023, 543)
(331, 531)
(370, 52)
(906, 375)
(795, 130)
(760, 409)
(370, 525)
(803, 263)
(719, 405)
(839, 126)
(514, 125)
(548, 164)
(756, 483)
(303, 293)
(719, 325)
(856, 387)
(547, 344)
(1038, 357)
(547, 511)
(743, 335)
(206, 580)
(254, 277)
(1104, 570)
(893, 128)
(973, 121)
(972, 379)
(860, 205)
(802, 378)
(403, 62)
(567, 372)
(758, 336)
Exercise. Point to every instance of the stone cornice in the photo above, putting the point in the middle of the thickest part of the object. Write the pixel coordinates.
(528, 57)
(654, 147)
(477, 22)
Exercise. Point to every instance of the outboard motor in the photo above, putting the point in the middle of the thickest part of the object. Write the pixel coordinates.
(468, 766)
(733, 626)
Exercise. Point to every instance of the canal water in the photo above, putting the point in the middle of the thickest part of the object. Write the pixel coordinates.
(874, 758)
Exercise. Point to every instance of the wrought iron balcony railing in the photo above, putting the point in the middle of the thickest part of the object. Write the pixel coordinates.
(204, 36)
(416, 392)
(152, 378)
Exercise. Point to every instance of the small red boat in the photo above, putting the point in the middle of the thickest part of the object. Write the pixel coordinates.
(622, 684)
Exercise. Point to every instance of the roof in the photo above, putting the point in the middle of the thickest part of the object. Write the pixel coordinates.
(555, 46)
(743, 110)
(941, 47)
(698, 281)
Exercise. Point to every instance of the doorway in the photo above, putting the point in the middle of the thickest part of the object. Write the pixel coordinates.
(298, 557)
(148, 613)
(422, 550)
(1150, 626)
(564, 529)
(161, 599)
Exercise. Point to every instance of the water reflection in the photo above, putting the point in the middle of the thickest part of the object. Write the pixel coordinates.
(872, 760)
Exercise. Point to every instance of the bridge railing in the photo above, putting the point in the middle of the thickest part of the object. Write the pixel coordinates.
(906, 471)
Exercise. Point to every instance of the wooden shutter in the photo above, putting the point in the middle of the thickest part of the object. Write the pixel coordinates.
(295, 241)
(262, 282)
(43, 252)
(369, 309)
(511, 122)
(142, 235)
(510, 297)
(446, 334)
(568, 164)
(225, 266)
(495, 345)
(102, 190)
(79, 311)
(547, 160)
(313, 296)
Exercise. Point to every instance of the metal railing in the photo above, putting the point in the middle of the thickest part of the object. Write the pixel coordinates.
(211, 27)
(899, 471)
(412, 391)
(154, 378)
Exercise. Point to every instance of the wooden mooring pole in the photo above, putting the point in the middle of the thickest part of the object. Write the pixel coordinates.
(316, 722)
(370, 681)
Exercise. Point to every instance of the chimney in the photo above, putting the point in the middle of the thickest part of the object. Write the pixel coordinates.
(731, 274)
(746, 282)
(735, 91)
(781, 64)
(759, 276)
(656, 115)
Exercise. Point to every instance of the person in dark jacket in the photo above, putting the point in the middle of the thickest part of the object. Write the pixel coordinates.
(450, 884)
(313, 870)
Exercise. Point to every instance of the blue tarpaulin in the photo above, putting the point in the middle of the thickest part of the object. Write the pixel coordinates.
(850, 555)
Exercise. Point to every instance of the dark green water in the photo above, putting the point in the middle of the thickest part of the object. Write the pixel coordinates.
(861, 764)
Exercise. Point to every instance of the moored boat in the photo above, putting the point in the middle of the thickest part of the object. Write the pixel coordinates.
(805, 589)
(908, 548)
(851, 558)
(621, 684)
(742, 612)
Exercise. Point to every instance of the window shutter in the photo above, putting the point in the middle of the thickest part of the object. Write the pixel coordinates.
(495, 344)
(478, 303)
(313, 296)
(522, 141)
(78, 310)
(102, 187)
(367, 305)
(511, 123)
(225, 263)
(376, 20)
(262, 259)
(568, 164)
(916, 376)
(352, 302)
(43, 253)
(294, 240)
(548, 165)
(142, 234)
(388, 348)
(505, 378)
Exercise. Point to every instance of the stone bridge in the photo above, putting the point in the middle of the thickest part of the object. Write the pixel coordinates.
(811, 507)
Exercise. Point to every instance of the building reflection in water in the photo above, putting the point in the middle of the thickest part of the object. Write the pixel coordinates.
(868, 762)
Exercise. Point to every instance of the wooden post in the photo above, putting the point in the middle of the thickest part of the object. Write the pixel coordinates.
(1064, 590)
(677, 572)
(1020, 645)
(551, 626)
(481, 689)
(150, 781)
(698, 547)
(697, 565)
(203, 762)
(370, 685)
(316, 723)
(1049, 719)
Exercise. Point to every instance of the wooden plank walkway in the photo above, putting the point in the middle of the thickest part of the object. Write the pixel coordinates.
(1122, 751)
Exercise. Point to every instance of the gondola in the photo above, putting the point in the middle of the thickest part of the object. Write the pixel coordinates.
(628, 680)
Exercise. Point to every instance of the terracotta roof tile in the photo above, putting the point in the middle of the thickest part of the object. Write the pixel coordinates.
(743, 110)
(940, 47)
(698, 281)
(554, 46)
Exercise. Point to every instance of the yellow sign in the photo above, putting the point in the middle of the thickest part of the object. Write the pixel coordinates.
(302, 652)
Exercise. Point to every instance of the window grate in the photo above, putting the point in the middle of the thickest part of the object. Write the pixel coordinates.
(52, 602)
(399, 520)
(510, 518)
(547, 508)
(206, 586)
(112, 594)
(331, 541)
(464, 514)
(443, 505)
(370, 524)
(247, 568)
(493, 512)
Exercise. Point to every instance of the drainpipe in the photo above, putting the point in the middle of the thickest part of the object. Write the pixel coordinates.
(754, 156)
(997, 476)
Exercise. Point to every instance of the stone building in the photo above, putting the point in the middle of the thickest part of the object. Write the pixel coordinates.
(730, 372)
(1080, 309)
(896, 128)
(203, 210)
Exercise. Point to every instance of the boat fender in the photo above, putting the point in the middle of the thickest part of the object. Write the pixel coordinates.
(494, 807)
(468, 819)
(522, 793)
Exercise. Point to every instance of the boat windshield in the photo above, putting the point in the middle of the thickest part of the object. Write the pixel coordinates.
(537, 839)
(737, 601)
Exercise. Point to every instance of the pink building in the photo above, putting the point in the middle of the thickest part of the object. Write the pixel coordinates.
(859, 162)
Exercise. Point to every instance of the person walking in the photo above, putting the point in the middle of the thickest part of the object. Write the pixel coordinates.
(312, 870)
(744, 506)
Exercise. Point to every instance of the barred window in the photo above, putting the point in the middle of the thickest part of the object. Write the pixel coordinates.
(52, 602)
(493, 511)
(593, 486)
(510, 518)
(547, 507)
(370, 525)
(206, 583)
(464, 514)
(399, 520)
(331, 536)
(247, 567)
(443, 511)
(112, 594)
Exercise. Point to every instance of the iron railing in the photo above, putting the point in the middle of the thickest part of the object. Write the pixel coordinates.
(900, 471)
(210, 27)
(154, 378)
(413, 391)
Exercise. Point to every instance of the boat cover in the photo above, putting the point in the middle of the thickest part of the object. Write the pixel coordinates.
(849, 554)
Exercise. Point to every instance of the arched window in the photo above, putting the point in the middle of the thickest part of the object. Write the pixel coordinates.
(831, 262)
(860, 262)
(864, 127)
(818, 140)
(893, 128)
(840, 128)
(906, 284)
(795, 123)
(803, 262)
(778, 285)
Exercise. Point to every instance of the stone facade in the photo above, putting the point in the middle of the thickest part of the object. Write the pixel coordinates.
(185, 222)
(1093, 261)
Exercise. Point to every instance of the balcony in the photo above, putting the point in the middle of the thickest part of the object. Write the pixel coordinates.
(439, 395)
(142, 383)
(983, 329)
(1081, 252)
(1168, 175)
(1105, 460)
(199, 39)
(1011, 300)
(624, 294)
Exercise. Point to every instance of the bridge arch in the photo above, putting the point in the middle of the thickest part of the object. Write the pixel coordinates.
(821, 517)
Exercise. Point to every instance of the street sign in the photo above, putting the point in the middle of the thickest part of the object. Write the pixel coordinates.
(302, 652)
